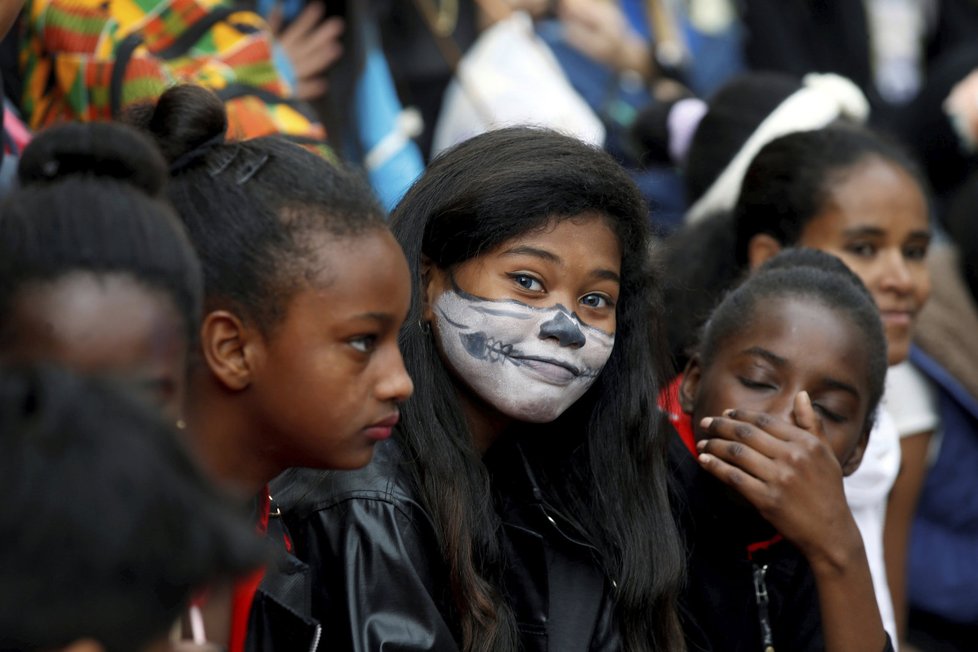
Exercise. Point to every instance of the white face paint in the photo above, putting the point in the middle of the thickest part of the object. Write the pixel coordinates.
(529, 363)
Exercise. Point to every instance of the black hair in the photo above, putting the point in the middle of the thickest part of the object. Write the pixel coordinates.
(790, 180)
(110, 527)
(803, 275)
(252, 208)
(91, 202)
(735, 112)
(602, 462)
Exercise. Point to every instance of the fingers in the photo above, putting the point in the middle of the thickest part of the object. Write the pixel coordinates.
(321, 48)
(312, 45)
(305, 22)
(275, 18)
(804, 414)
(749, 428)
(745, 484)
(741, 445)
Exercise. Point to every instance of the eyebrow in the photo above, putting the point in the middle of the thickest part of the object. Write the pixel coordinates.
(832, 383)
(526, 250)
(778, 361)
(380, 317)
(877, 232)
(773, 358)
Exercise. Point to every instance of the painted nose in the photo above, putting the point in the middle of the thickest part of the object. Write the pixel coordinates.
(563, 329)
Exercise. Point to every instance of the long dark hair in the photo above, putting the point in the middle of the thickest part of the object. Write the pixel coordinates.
(790, 180)
(606, 469)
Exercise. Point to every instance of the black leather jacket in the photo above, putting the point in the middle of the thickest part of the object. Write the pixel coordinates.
(280, 619)
(380, 582)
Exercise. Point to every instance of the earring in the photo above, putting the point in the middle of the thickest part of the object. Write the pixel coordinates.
(424, 327)
(181, 424)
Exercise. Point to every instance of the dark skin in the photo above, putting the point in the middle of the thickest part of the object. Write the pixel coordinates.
(106, 324)
(876, 221)
(781, 415)
(309, 390)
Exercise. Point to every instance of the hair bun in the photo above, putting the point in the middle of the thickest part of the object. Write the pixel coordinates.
(184, 119)
(94, 149)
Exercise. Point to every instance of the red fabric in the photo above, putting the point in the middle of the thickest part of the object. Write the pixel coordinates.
(682, 422)
(245, 589)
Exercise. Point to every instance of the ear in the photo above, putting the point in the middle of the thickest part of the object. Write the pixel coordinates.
(690, 384)
(856, 457)
(229, 348)
(435, 281)
(761, 248)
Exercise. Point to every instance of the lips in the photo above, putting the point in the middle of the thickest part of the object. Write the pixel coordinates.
(897, 317)
(382, 429)
(550, 370)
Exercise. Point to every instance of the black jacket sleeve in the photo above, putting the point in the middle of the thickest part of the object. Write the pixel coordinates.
(377, 574)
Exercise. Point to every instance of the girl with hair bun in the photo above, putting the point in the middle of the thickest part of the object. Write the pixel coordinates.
(305, 291)
(522, 502)
(96, 271)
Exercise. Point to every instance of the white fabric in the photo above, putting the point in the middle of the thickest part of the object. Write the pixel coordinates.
(867, 491)
(911, 400)
(823, 99)
(510, 77)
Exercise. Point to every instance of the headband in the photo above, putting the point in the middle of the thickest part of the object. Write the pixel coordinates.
(822, 99)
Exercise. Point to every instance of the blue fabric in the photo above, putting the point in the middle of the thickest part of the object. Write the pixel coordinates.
(377, 108)
(290, 8)
(283, 64)
(943, 563)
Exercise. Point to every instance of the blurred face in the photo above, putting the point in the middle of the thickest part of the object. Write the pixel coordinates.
(795, 346)
(329, 376)
(529, 325)
(876, 222)
(106, 324)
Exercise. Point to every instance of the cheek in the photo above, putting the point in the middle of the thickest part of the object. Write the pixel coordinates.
(922, 284)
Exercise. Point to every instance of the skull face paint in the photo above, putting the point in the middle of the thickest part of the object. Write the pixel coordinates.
(529, 363)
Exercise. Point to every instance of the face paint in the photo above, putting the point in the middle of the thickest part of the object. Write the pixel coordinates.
(529, 363)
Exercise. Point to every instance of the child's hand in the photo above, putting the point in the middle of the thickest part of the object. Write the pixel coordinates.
(787, 471)
(312, 45)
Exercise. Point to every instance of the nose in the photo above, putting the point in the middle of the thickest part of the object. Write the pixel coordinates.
(563, 329)
(783, 407)
(895, 275)
(396, 386)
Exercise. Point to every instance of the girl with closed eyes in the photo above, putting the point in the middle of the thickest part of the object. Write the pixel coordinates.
(778, 403)
(521, 503)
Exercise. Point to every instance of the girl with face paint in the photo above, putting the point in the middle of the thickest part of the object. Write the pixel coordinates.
(521, 503)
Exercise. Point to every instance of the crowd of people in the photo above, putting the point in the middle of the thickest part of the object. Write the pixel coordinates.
(489, 325)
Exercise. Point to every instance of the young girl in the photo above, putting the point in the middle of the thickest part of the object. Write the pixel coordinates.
(96, 272)
(779, 401)
(521, 504)
(305, 291)
(846, 191)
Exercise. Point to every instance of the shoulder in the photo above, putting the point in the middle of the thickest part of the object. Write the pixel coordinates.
(302, 492)
(376, 503)
(910, 400)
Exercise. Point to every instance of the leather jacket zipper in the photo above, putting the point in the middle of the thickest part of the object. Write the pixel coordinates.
(760, 592)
